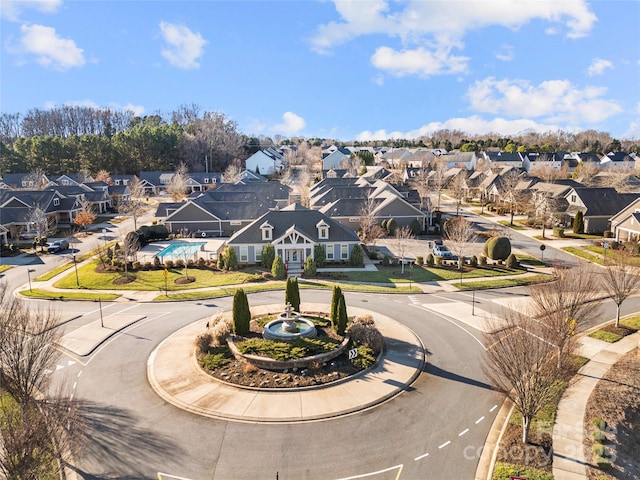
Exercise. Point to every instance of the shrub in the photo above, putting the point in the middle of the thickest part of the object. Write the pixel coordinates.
(220, 327)
(202, 262)
(386, 261)
(221, 261)
(292, 294)
(558, 232)
(599, 450)
(241, 313)
(178, 263)
(578, 222)
(277, 269)
(310, 269)
(391, 227)
(599, 423)
(599, 437)
(603, 463)
(148, 266)
(483, 261)
(168, 264)
(438, 261)
(473, 261)
(135, 265)
(497, 248)
(203, 341)
(415, 227)
(268, 255)
(230, 258)
(335, 298)
(419, 260)
(211, 361)
(365, 357)
(608, 234)
(430, 260)
(156, 262)
(512, 261)
(364, 332)
(357, 256)
(383, 224)
(320, 255)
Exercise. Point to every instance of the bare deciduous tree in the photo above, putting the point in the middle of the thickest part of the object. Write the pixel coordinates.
(460, 232)
(620, 280)
(401, 240)
(520, 363)
(511, 195)
(370, 229)
(178, 185)
(232, 173)
(438, 179)
(41, 223)
(562, 304)
(134, 205)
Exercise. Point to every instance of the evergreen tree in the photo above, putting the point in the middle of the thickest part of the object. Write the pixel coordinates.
(221, 261)
(277, 268)
(320, 255)
(310, 269)
(578, 222)
(268, 255)
(391, 227)
(357, 257)
(341, 325)
(241, 313)
(335, 297)
(292, 293)
(231, 259)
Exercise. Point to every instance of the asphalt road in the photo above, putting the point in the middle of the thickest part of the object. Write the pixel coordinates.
(441, 421)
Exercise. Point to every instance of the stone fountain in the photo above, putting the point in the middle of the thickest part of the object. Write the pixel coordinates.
(289, 326)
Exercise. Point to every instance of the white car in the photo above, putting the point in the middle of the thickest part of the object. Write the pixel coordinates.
(441, 251)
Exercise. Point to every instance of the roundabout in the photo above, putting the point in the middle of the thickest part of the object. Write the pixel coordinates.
(175, 375)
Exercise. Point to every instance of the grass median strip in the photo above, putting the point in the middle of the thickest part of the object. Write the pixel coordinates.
(503, 283)
(611, 334)
(49, 295)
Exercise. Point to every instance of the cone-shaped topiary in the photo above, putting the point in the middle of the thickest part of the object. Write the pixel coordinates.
(241, 313)
(335, 297)
(268, 255)
(320, 255)
(391, 227)
(230, 258)
(357, 256)
(341, 325)
(277, 269)
(310, 269)
(497, 248)
(578, 222)
(292, 293)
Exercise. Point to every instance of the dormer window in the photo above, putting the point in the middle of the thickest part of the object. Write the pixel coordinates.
(323, 230)
(56, 202)
(267, 231)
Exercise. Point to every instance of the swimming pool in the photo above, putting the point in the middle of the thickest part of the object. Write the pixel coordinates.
(181, 249)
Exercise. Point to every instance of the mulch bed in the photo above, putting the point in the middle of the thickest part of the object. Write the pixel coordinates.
(537, 454)
(621, 330)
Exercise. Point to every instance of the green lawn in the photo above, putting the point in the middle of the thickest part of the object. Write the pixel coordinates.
(503, 282)
(4, 268)
(631, 322)
(513, 226)
(424, 274)
(152, 279)
(46, 294)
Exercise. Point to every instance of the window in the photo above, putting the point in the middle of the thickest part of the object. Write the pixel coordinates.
(56, 202)
(354, 219)
(258, 251)
(244, 254)
(206, 180)
(323, 230)
(329, 251)
(573, 199)
(214, 180)
(235, 222)
(344, 251)
(266, 234)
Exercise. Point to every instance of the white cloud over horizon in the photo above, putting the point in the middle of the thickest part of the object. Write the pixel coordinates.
(183, 48)
(291, 124)
(49, 49)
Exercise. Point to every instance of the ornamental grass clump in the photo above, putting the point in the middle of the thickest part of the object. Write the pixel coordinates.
(364, 332)
(220, 327)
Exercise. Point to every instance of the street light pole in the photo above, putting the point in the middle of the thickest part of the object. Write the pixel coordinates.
(29, 272)
(101, 319)
(75, 264)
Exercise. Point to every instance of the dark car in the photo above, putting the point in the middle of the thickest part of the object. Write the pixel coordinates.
(57, 246)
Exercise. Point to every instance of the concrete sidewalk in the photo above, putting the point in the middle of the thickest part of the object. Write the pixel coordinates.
(569, 461)
(176, 377)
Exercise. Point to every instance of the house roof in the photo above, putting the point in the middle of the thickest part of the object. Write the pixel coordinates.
(601, 201)
(294, 217)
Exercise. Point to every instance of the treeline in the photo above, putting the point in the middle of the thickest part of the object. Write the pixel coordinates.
(72, 139)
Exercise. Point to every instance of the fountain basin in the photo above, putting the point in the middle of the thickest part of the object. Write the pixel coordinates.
(288, 329)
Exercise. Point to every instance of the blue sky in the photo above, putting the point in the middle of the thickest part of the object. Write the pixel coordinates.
(361, 69)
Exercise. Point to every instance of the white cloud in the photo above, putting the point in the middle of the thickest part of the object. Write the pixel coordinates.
(11, 9)
(506, 53)
(473, 125)
(50, 49)
(183, 47)
(598, 66)
(553, 100)
(420, 62)
(291, 124)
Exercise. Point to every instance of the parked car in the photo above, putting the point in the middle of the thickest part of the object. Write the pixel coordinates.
(441, 251)
(57, 246)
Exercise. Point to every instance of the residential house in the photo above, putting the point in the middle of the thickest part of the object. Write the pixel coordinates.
(294, 232)
(266, 162)
(336, 159)
(597, 205)
(625, 224)
(155, 183)
(618, 160)
(501, 159)
(25, 181)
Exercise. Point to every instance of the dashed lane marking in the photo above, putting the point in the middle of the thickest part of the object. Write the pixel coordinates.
(364, 475)
(493, 408)
(480, 419)
(444, 444)
(421, 456)
(463, 432)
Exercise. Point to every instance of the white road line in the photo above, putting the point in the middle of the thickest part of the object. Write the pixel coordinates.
(79, 373)
(445, 444)
(421, 457)
(463, 432)
(75, 384)
(376, 473)
(426, 307)
(493, 408)
(479, 420)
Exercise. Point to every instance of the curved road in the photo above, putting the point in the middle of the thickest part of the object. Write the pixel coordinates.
(439, 425)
